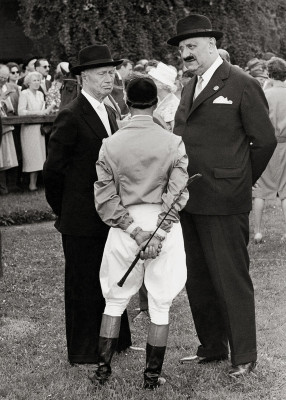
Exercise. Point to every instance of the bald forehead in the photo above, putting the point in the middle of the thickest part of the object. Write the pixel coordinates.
(4, 69)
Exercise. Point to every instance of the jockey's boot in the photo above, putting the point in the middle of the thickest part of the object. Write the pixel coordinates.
(155, 352)
(109, 332)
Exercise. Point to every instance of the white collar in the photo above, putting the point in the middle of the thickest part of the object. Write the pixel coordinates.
(141, 116)
(118, 74)
(209, 72)
(94, 102)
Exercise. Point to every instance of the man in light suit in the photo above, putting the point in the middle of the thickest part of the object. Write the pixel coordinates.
(223, 120)
(69, 175)
(122, 73)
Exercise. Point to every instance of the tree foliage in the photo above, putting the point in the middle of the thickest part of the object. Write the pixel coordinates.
(133, 29)
(139, 28)
(251, 27)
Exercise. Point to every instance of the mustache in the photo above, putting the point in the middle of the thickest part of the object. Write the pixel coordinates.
(189, 58)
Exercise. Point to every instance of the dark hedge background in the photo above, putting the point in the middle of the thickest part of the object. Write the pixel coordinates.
(137, 29)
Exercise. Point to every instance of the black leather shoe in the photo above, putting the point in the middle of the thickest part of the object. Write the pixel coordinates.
(160, 382)
(203, 360)
(241, 369)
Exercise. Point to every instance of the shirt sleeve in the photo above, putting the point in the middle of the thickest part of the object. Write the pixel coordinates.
(107, 200)
(177, 181)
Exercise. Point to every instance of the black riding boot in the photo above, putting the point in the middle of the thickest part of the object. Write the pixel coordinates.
(109, 332)
(155, 352)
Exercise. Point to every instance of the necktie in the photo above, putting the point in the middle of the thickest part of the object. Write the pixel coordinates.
(199, 86)
(104, 117)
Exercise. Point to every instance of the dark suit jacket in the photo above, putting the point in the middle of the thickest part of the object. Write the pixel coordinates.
(69, 171)
(229, 144)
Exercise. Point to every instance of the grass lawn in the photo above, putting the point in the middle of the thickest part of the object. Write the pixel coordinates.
(33, 364)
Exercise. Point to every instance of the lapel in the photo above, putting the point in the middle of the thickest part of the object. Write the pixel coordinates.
(214, 86)
(112, 118)
(189, 91)
(92, 119)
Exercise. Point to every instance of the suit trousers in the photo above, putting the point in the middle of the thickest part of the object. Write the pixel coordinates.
(219, 286)
(84, 303)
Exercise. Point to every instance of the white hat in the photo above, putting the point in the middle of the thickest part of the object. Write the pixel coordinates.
(164, 74)
(63, 67)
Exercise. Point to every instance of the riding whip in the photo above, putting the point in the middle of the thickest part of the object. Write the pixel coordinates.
(189, 181)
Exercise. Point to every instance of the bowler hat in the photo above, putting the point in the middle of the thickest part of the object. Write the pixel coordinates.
(194, 25)
(94, 56)
(141, 93)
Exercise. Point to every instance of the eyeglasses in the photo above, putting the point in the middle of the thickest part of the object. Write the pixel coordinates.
(14, 72)
(45, 66)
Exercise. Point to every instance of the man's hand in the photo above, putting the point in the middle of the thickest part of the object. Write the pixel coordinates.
(142, 236)
(4, 95)
(152, 250)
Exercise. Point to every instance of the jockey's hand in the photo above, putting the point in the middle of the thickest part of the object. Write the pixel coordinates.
(142, 237)
(152, 250)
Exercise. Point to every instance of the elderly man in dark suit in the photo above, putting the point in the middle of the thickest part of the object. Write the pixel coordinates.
(223, 119)
(69, 175)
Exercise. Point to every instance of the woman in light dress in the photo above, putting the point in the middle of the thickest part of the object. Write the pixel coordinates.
(31, 102)
(164, 77)
(8, 156)
(273, 180)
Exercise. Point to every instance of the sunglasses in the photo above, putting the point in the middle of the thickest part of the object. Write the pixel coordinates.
(45, 66)
(14, 72)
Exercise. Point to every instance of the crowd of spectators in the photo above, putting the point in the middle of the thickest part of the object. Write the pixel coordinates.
(33, 89)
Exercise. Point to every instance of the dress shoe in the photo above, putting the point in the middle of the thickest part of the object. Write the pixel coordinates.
(241, 369)
(160, 382)
(258, 238)
(203, 360)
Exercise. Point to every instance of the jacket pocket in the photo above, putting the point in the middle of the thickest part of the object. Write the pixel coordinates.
(221, 173)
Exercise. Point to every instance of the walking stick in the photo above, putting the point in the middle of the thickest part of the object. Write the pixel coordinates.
(189, 181)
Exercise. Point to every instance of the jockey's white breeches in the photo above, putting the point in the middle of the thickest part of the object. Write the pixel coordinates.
(164, 277)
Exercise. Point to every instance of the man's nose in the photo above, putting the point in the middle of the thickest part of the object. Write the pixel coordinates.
(185, 52)
(108, 78)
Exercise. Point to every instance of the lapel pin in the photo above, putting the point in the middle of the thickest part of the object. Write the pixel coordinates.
(216, 87)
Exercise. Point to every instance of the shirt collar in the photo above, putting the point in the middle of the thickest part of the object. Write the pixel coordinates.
(118, 74)
(94, 102)
(142, 116)
(209, 72)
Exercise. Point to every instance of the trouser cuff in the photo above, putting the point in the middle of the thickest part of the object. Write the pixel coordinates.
(212, 352)
(237, 359)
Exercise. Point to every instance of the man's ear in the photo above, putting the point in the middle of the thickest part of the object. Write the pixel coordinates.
(212, 44)
(83, 75)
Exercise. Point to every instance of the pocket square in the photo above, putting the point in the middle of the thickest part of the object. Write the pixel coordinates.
(222, 100)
